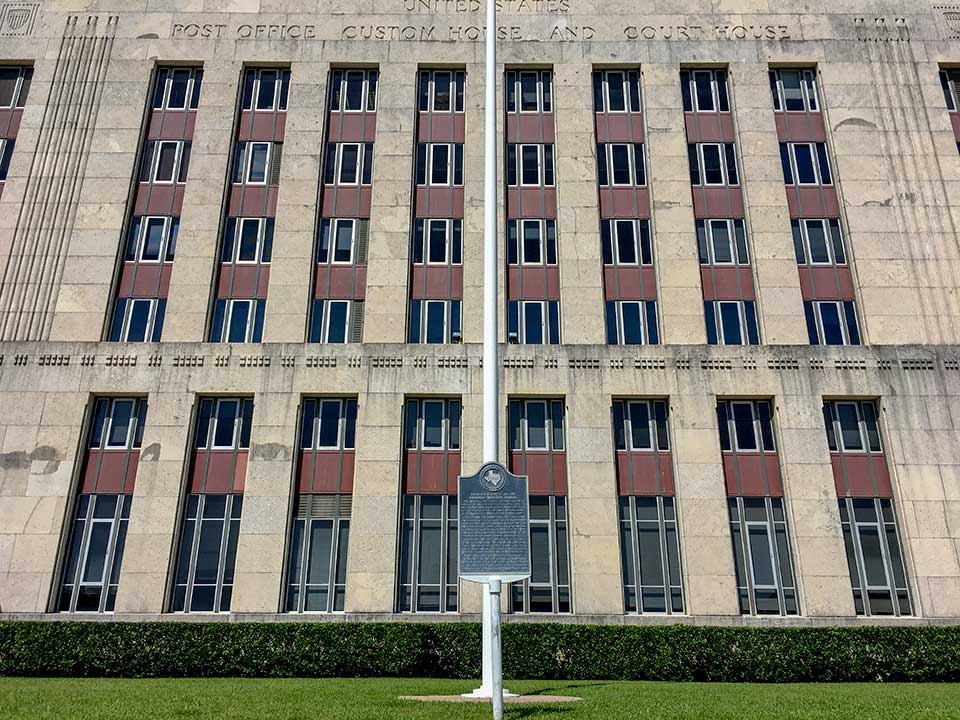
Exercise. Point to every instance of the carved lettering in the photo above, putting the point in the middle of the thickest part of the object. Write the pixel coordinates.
(566, 33)
(697, 33)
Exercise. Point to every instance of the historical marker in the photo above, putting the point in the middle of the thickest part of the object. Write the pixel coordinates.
(494, 525)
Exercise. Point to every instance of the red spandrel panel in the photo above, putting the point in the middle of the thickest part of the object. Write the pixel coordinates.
(861, 475)
(10, 122)
(752, 474)
(712, 202)
(326, 471)
(259, 126)
(433, 468)
(110, 471)
(533, 282)
(709, 127)
(800, 127)
(629, 282)
(546, 471)
(243, 281)
(955, 121)
(158, 199)
(346, 201)
(440, 282)
(531, 202)
(727, 283)
(224, 471)
(812, 202)
(439, 202)
(619, 127)
(441, 127)
(530, 128)
(624, 202)
(352, 127)
(826, 283)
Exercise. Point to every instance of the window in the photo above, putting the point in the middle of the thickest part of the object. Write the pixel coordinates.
(949, 80)
(529, 165)
(620, 164)
(336, 321)
(208, 553)
(438, 242)
(818, 242)
(317, 572)
(441, 90)
(165, 161)
(257, 163)
(247, 240)
(237, 321)
(631, 322)
(329, 424)
(650, 555)
(532, 242)
(138, 320)
(14, 86)
(805, 164)
(722, 242)
(265, 89)
(616, 91)
(731, 322)
(224, 424)
(704, 91)
(343, 241)
(427, 567)
(761, 555)
(152, 239)
(831, 322)
(6, 155)
(117, 424)
(745, 426)
(435, 321)
(177, 89)
(533, 322)
(92, 572)
(874, 557)
(548, 589)
(349, 164)
(354, 91)
(852, 424)
(432, 424)
(536, 425)
(626, 242)
(713, 164)
(641, 425)
(794, 90)
(440, 164)
(529, 91)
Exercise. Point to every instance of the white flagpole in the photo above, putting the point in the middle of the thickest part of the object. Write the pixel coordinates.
(491, 390)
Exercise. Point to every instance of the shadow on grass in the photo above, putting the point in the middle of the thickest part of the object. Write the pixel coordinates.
(515, 712)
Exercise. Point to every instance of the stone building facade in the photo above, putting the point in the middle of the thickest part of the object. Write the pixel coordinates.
(240, 309)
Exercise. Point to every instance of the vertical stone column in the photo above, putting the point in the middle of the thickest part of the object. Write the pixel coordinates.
(385, 313)
(578, 223)
(84, 299)
(473, 179)
(674, 234)
(924, 458)
(291, 274)
(371, 560)
(708, 572)
(39, 443)
(266, 502)
(471, 450)
(593, 525)
(190, 284)
(768, 216)
(811, 502)
(152, 533)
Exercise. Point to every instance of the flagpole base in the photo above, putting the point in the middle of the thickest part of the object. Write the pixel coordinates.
(486, 693)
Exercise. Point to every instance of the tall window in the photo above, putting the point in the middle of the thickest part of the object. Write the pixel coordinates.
(875, 560)
(353, 90)
(14, 86)
(616, 91)
(165, 161)
(704, 91)
(831, 322)
(207, 553)
(949, 80)
(794, 90)
(440, 164)
(237, 320)
(649, 535)
(94, 554)
(621, 165)
(766, 583)
(722, 242)
(713, 164)
(537, 444)
(533, 322)
(265, 89)
(441, 91)
(818, 242)
(348, 164)
(805, 163)
(731, 322)
(248, 240)
(435, 321)
(529, 91)
(532, 242)
(530, 165)
(427, 564)
(177, 88)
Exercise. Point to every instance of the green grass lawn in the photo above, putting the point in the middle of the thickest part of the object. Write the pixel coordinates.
(43, 699)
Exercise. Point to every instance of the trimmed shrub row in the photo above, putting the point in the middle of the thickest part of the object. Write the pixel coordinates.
(452, 650)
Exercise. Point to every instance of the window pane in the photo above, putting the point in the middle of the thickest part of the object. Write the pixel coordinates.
(704, 90)
(540, 554)
(849, 426)
(528, 91)
(337, 323)
(178, 88)
(153, 239)
(537, 426)
(712, 165)
(872, 556)
(743, 423)
(8, 85)
(348, 163)
(268, 87)
(344, 241)
(533, 323)
(760, 555)
(804, 158)
(433, 424)
(530, 165)
(620, 156)
(531, 242)
(249, 234)
(440, 166)
(435, 322)
(139, 320)
(329, 424)
(120, 423)
(225, 420)
(632, 323)
(239, 316)
(819, 252)
(441, 91)
(626, 242)
(615, 92)
(730, 319)
(318, 563)
(720, 234)
(166, 162)
(792, 90)
(438, 242)
(640, 426)
(354, 94)
(830, 322)
(258, 163)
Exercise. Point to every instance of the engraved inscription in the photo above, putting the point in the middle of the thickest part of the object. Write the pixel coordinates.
(494, 524)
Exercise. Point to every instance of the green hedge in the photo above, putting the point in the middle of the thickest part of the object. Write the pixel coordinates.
(452, 650)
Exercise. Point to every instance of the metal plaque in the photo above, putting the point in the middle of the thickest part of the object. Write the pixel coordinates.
(494, 525)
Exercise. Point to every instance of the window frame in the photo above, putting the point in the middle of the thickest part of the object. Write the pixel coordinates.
(636, 165)
(246, 163)
(645, 335)
(361, 168)
(632, 523)
(548, 330)
(756, 423)
(328, 304)
(808, 89)
(230, 306)
(152, 316)
(449, 588)
(296, 575)
(338, 89)
(541, 165)
(742, 315)
(627, 82)
(454, 165)
(419, 321)
(735, 227)
(317, 423)
(774, 530)
(332, 227)
(235, 246)
(141, 224)
(212, 427)
(950, 82)
(16, 101)
(833, 235)
(280, 97)
(514, 93)
(191, 96)
(152, 177)
(724, 166)
(457, 90)
(547, 245)
(835, 438)
(815, 158)
(715, 94)
(453, 245)
(549, 427)
(558, 530)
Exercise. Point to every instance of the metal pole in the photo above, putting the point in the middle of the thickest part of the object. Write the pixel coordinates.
(491, 390)
(496, 658)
